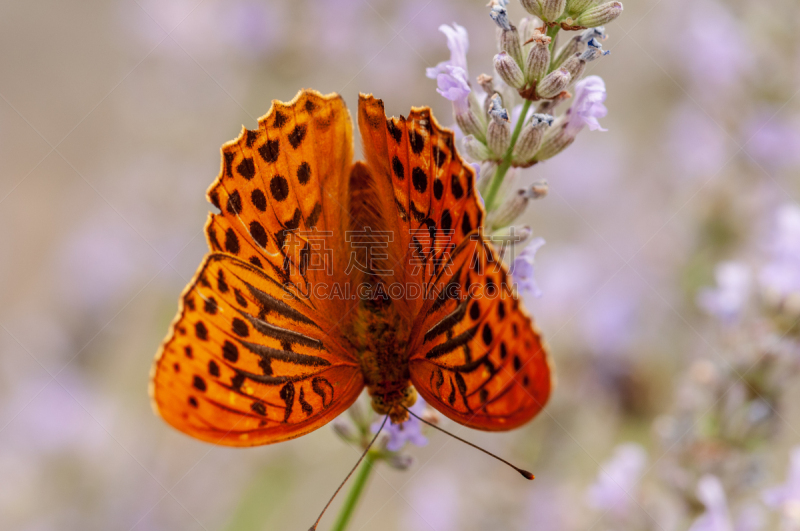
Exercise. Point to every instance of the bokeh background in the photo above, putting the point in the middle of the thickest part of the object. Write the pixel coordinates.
(111, 119)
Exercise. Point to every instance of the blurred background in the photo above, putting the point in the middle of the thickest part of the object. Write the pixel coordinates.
(111, 119)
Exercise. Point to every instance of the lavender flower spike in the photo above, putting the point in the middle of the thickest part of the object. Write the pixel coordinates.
(716, 517)
(522, 270)
(590, 93)
(787, 496)
(616, 487)
(458, 42)
(780, 277)
(728, 299)
(408, 431)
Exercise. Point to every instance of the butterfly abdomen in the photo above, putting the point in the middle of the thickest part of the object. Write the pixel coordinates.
(381, 335)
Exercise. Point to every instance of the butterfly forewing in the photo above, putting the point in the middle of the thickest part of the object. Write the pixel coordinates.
(253, 357)
(474, 354)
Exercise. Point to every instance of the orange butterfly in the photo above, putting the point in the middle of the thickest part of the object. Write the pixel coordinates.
(306, 296)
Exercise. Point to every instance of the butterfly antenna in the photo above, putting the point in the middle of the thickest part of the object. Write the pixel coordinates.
(525, 473)
(363, 455)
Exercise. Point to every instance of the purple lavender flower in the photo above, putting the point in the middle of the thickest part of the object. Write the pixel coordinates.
(701, 144)
(716, 517)
(786, 497)
(587, 107)
(774, 141)
(522, 270)
(780, 278)
(434, 502)
(458, 42)
(615, 488)
(727, 300)
(408, 431)
(715, 55)
(453, 85)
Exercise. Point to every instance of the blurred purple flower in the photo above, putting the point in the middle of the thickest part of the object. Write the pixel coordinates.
(715, 55)
(408, 431)
(611, 319)
(453, 85)
(587, 107)
(616, 485)
(773, 141)
(698, 144)
(786, 497)
(522, 269)
(253, 27)
(780, 278)
(716, 517)
(726, 301)
(434, 503)
(458, 42)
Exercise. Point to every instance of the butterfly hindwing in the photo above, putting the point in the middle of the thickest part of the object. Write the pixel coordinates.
(476, 354)
(247, 364)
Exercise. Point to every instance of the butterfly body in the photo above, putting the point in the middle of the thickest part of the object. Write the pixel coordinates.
(294, 313)
(383, 335)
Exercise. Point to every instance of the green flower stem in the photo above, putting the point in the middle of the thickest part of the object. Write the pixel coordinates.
(355, 492)
(552, 33)
(494, 187)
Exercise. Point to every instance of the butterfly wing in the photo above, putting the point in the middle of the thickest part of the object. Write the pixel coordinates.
(252, 357)
(474, 353)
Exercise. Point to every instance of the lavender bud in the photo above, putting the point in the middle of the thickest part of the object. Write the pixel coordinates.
(514, 235)
(475, 149)
(468, 118)
(401, 461)
(470, 124)
(509, 210)
(553, 9)
(509, 43)
(556, 140)
(553, 83)
(509, 70)
(576, 7)
(496, 110)
(485, 82)
(534, 7)
(593, 33)
(509, 37)
(599, 15)
(573, 46)
(498, 135)
(527, 27)
(500, 17)
(488, 170)
(530, 139)
(538, 58)
(575, 65)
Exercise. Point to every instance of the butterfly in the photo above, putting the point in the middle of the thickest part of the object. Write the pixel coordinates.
(326, 276)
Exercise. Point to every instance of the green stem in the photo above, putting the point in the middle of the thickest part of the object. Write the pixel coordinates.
(355, 493)
(552, 33)
(494, 187)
